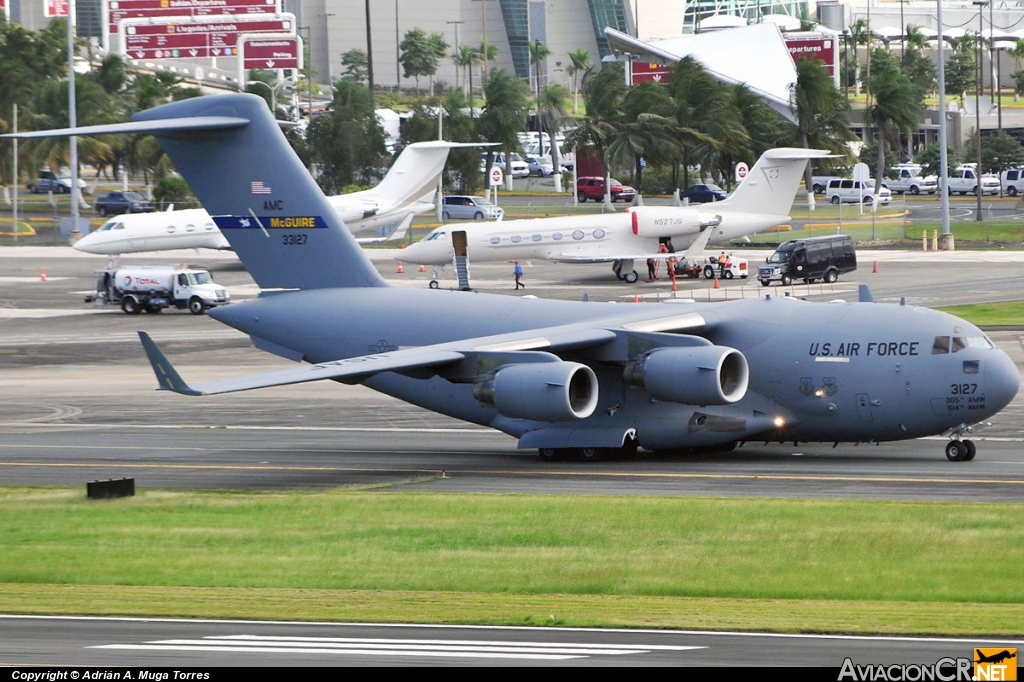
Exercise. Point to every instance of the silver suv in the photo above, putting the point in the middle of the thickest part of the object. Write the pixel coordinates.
(460, 207)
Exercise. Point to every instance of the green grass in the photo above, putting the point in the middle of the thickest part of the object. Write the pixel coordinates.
(1004, 313)
(751, 563)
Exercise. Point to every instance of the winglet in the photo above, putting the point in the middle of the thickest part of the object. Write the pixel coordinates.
(166, 375)
(864, 294)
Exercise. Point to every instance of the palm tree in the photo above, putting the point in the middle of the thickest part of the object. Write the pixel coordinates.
(705, 124)
(551, 107)
(1017, 53)
(578, 67)
(538, 53)
(488, 54)
(504, 116)
(896, 109)
(465, 58)
(647, 130)
(603, 92)
(763, 126)
(821, 117)
(859, 36)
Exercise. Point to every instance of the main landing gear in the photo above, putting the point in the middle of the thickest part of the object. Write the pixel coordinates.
(623, 269)
(627, 451)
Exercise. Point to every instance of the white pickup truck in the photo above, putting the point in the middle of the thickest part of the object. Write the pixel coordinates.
(965, 181)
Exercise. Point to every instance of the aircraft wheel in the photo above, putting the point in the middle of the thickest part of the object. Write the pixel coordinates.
(835, 200)
(631, 277)
(581, 197)
(709, 272)
(728, 274)
(548, 454)
(787, 279)
(591, 454)
(831, 276)
(433, 284)
(765, 282)
(972, 450)
(957, 451)
(196, 306)
(130, 305)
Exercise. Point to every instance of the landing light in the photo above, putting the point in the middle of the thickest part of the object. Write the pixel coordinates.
(779, 422)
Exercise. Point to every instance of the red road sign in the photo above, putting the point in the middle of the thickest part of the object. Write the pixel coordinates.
(823, 49)
(642, 72)
(56, 8)
(270, 53)
(186, 40)
(741, 171)
(118, 10)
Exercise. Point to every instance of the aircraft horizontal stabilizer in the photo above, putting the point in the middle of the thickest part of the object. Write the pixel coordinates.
(165, 125)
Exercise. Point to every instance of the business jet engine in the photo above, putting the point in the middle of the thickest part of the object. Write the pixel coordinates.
(543, 391)
(670, 221)
(703, 375)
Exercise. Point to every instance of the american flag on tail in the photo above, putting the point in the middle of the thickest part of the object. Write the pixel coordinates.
(259, 188)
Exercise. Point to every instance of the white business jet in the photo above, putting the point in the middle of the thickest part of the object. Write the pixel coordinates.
(762, 200)
(379, 214)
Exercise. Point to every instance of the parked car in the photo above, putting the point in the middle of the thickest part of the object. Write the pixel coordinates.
(854, 191)
(540, 165)
(704, 193)
(965, 180)
(49, 182)
(123, 202)
(909, 179)
(593, 188)
(1012, 181)
(460, 207)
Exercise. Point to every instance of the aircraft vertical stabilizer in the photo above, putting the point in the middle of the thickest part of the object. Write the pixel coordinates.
(770, 186)
(261, 196)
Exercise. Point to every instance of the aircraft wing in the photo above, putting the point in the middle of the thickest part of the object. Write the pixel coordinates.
(533, 345)
(692, 251)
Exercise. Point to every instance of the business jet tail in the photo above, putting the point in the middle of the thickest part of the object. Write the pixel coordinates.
(770, 186)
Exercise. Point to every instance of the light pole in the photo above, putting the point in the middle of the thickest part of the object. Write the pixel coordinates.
(977, 107)
(456, 23)
(947, 236)
(273, 92)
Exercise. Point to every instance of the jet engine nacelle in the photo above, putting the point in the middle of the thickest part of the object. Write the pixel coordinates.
(669, 221)
(702, 375)
(544, 391)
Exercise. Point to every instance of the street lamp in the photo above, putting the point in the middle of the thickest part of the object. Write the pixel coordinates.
(981, 4)
(273, 91)
(456, 49)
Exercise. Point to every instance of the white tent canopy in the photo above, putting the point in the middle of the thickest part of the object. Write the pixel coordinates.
(763, 64)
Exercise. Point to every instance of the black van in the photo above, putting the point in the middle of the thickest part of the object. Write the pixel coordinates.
(810, 259)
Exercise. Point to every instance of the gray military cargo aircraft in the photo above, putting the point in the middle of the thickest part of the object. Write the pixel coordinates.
(568, 378)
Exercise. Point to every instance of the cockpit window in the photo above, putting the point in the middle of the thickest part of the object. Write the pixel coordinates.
(959, 343)
(940, 346)
(112, 225)
(434, 236)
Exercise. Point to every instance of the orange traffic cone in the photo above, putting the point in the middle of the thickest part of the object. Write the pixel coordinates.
(423, 268)
(42, 277)
(673, 284)
(636, 298)
(400, 268)
(875, 269)
(716, 282)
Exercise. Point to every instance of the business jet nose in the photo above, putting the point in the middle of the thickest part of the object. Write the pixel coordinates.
(86, 244)
(1002, 381)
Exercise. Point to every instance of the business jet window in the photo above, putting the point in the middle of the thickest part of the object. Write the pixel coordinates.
(557, 236)
(190, 228)
(577, 235)
(495, 240)
(516, 239)
(598, 233)
(536, 237)
(171, 229)
(208, 227)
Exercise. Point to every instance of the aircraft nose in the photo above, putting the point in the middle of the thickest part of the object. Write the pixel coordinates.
(1002, 380)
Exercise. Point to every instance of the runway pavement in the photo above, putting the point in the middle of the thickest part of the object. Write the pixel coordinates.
(79, 402)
